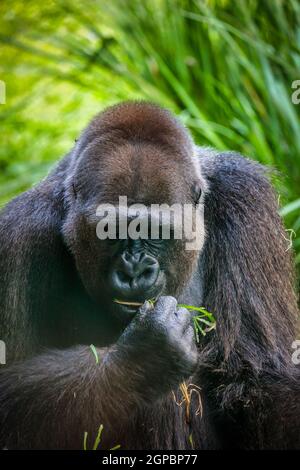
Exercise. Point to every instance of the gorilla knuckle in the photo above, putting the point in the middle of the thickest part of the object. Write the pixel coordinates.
(166, 303)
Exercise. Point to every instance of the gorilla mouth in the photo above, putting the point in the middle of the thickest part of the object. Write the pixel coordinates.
(127, 309)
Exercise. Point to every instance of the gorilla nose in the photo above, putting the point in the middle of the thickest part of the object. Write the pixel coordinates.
(135, 274)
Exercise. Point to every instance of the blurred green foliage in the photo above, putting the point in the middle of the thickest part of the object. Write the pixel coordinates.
(225, 67)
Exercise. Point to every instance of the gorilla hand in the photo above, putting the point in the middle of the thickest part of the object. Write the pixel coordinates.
(160, 343)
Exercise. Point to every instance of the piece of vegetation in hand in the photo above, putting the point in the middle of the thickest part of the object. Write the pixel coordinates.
(203, 322)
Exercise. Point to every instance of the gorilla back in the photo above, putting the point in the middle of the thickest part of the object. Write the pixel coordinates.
(59, 283)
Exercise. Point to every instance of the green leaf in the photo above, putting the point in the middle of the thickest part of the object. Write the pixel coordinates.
(94, 350)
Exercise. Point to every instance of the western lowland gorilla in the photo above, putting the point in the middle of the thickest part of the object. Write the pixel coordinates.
(77, 360)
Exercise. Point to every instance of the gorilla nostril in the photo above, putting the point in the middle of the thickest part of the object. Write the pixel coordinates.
(134, 273)
(122, 276)
(147, 273)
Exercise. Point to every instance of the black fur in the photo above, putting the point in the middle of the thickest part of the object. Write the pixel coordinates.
(52, 390)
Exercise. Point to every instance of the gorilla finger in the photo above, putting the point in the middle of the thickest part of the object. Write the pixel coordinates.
(190, 335)
(145, 309)
(165, 306)
(183, 316)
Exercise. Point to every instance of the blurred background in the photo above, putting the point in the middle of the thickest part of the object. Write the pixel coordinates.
(225, 67)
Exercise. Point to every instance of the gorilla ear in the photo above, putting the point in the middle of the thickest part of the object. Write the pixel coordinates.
(196, 192)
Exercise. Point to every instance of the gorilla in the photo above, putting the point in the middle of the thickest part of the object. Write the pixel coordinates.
(77, 361)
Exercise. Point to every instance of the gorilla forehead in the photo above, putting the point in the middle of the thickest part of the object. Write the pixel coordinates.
(143, 153)
(141, 121)
(141, 171)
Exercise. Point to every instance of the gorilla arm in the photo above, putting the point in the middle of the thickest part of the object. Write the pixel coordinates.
(50, 400)
(248, 285)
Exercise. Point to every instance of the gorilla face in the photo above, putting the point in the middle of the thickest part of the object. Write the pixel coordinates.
(131, 270)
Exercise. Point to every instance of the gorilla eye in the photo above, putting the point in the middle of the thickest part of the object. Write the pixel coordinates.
(196, 193)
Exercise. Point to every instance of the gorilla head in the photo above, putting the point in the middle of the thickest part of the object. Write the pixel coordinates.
(142, 152)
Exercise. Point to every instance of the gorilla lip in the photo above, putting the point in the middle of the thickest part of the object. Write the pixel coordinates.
(128, 307)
